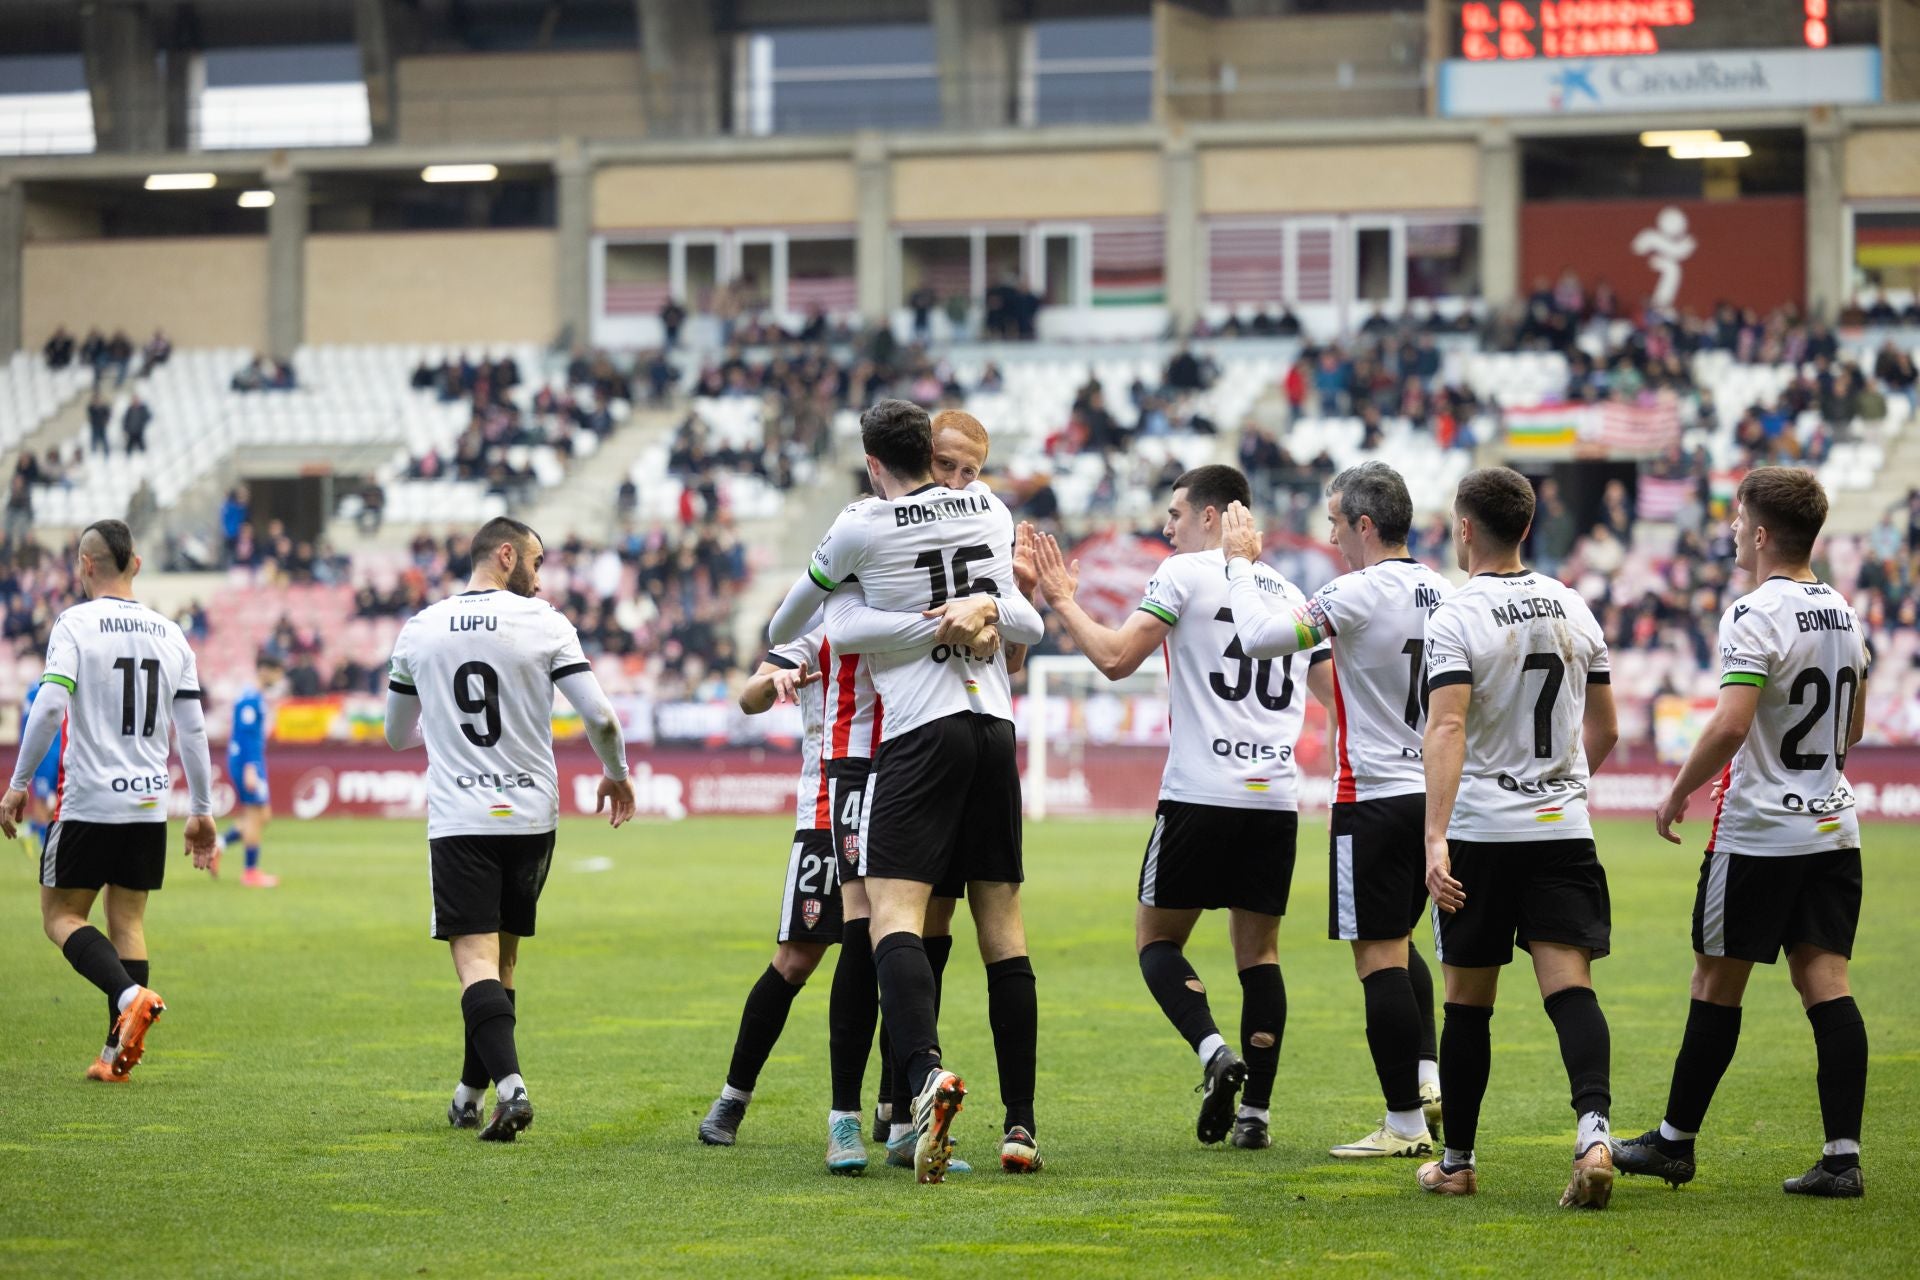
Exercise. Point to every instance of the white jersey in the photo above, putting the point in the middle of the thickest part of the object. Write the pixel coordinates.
(123, 665)
(1529, 646)
(1786, 788)
(1234, 722)
(483, 664)
(1376, 621)
(839, 718)
(911, 554)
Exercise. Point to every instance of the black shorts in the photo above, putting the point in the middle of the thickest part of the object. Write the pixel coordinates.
(487, 884)
(1210, 856)
(943, 805)
(847, 801)
(1377, 868)
(1523, 891)
(92, 855)
(1753, 908)
(810, 906)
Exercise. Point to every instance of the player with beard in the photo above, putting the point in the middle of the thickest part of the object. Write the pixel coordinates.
(472, 680)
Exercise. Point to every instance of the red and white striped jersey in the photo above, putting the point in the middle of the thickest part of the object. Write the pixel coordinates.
(840, 717)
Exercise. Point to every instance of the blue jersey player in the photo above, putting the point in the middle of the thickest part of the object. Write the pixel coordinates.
(43, 797)
(247, 768)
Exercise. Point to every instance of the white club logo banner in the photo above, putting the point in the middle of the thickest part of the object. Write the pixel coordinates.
(1661, 82)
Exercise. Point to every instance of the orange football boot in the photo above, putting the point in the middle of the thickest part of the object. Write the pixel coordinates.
(144, 1010)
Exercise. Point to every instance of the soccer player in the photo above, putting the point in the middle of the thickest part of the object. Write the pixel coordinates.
(943, 799)
(839, 724)
(1519, 715)
(1782, 868)
(119, 677)
(1225, 830)
(247, 767)
(1375, 619)
(472, 679)
(43, 787)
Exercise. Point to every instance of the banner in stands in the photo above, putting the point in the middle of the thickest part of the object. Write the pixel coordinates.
(1705, 81)
(373, 782)
(1689, 254)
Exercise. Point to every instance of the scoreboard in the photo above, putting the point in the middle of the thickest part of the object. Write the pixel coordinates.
(1516, 30)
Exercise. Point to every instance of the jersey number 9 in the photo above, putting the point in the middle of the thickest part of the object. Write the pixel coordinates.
(486, 704)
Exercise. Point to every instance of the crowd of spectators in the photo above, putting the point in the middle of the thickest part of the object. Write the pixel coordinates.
(500, 422)
(660, 596)
(102, 353)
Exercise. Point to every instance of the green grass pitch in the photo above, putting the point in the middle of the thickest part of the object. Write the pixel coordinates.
(289, 1118)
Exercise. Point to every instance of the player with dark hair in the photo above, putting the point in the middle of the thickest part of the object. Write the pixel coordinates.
(943, 798)
(247, 768)
(472, 680)
(119, 679)
(1375, 619)
(1519, 715)
(1782, 868)
(1225, 830)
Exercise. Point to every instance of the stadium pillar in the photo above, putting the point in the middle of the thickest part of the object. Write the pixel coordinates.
(286, 262)
(1499, 217)
(1826, 215)
(119, 49)
(1180, 183)
(873, 204)
(977, 52)
(573, 196)
(684, 67)
(13, 208)
(373, 32)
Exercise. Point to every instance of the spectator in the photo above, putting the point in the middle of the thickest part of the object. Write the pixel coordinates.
(19, 514)
(99, 414)
(59, 348)
(234, 515)
(373, 508)
(921, 302)
(158, 351)
(134, 423)
(118, 355)
(672, 316)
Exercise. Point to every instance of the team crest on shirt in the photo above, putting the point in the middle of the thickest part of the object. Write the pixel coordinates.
(810, 912)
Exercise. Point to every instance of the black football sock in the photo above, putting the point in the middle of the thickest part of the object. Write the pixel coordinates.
(1393, 1036)
(1263, 1022)
(1586, 1049)
(907, 1003)
(1840, 1043)
(94, 959)
(1014, 1014)
(853, 1007)
(1179, 991)
(1420, 978)
(1706, 1049)
(939, 950)
(473, 1072)
(892, 1087)
(489, 1014)
(761, 1022)
(1466, 1061)
(140, 971)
